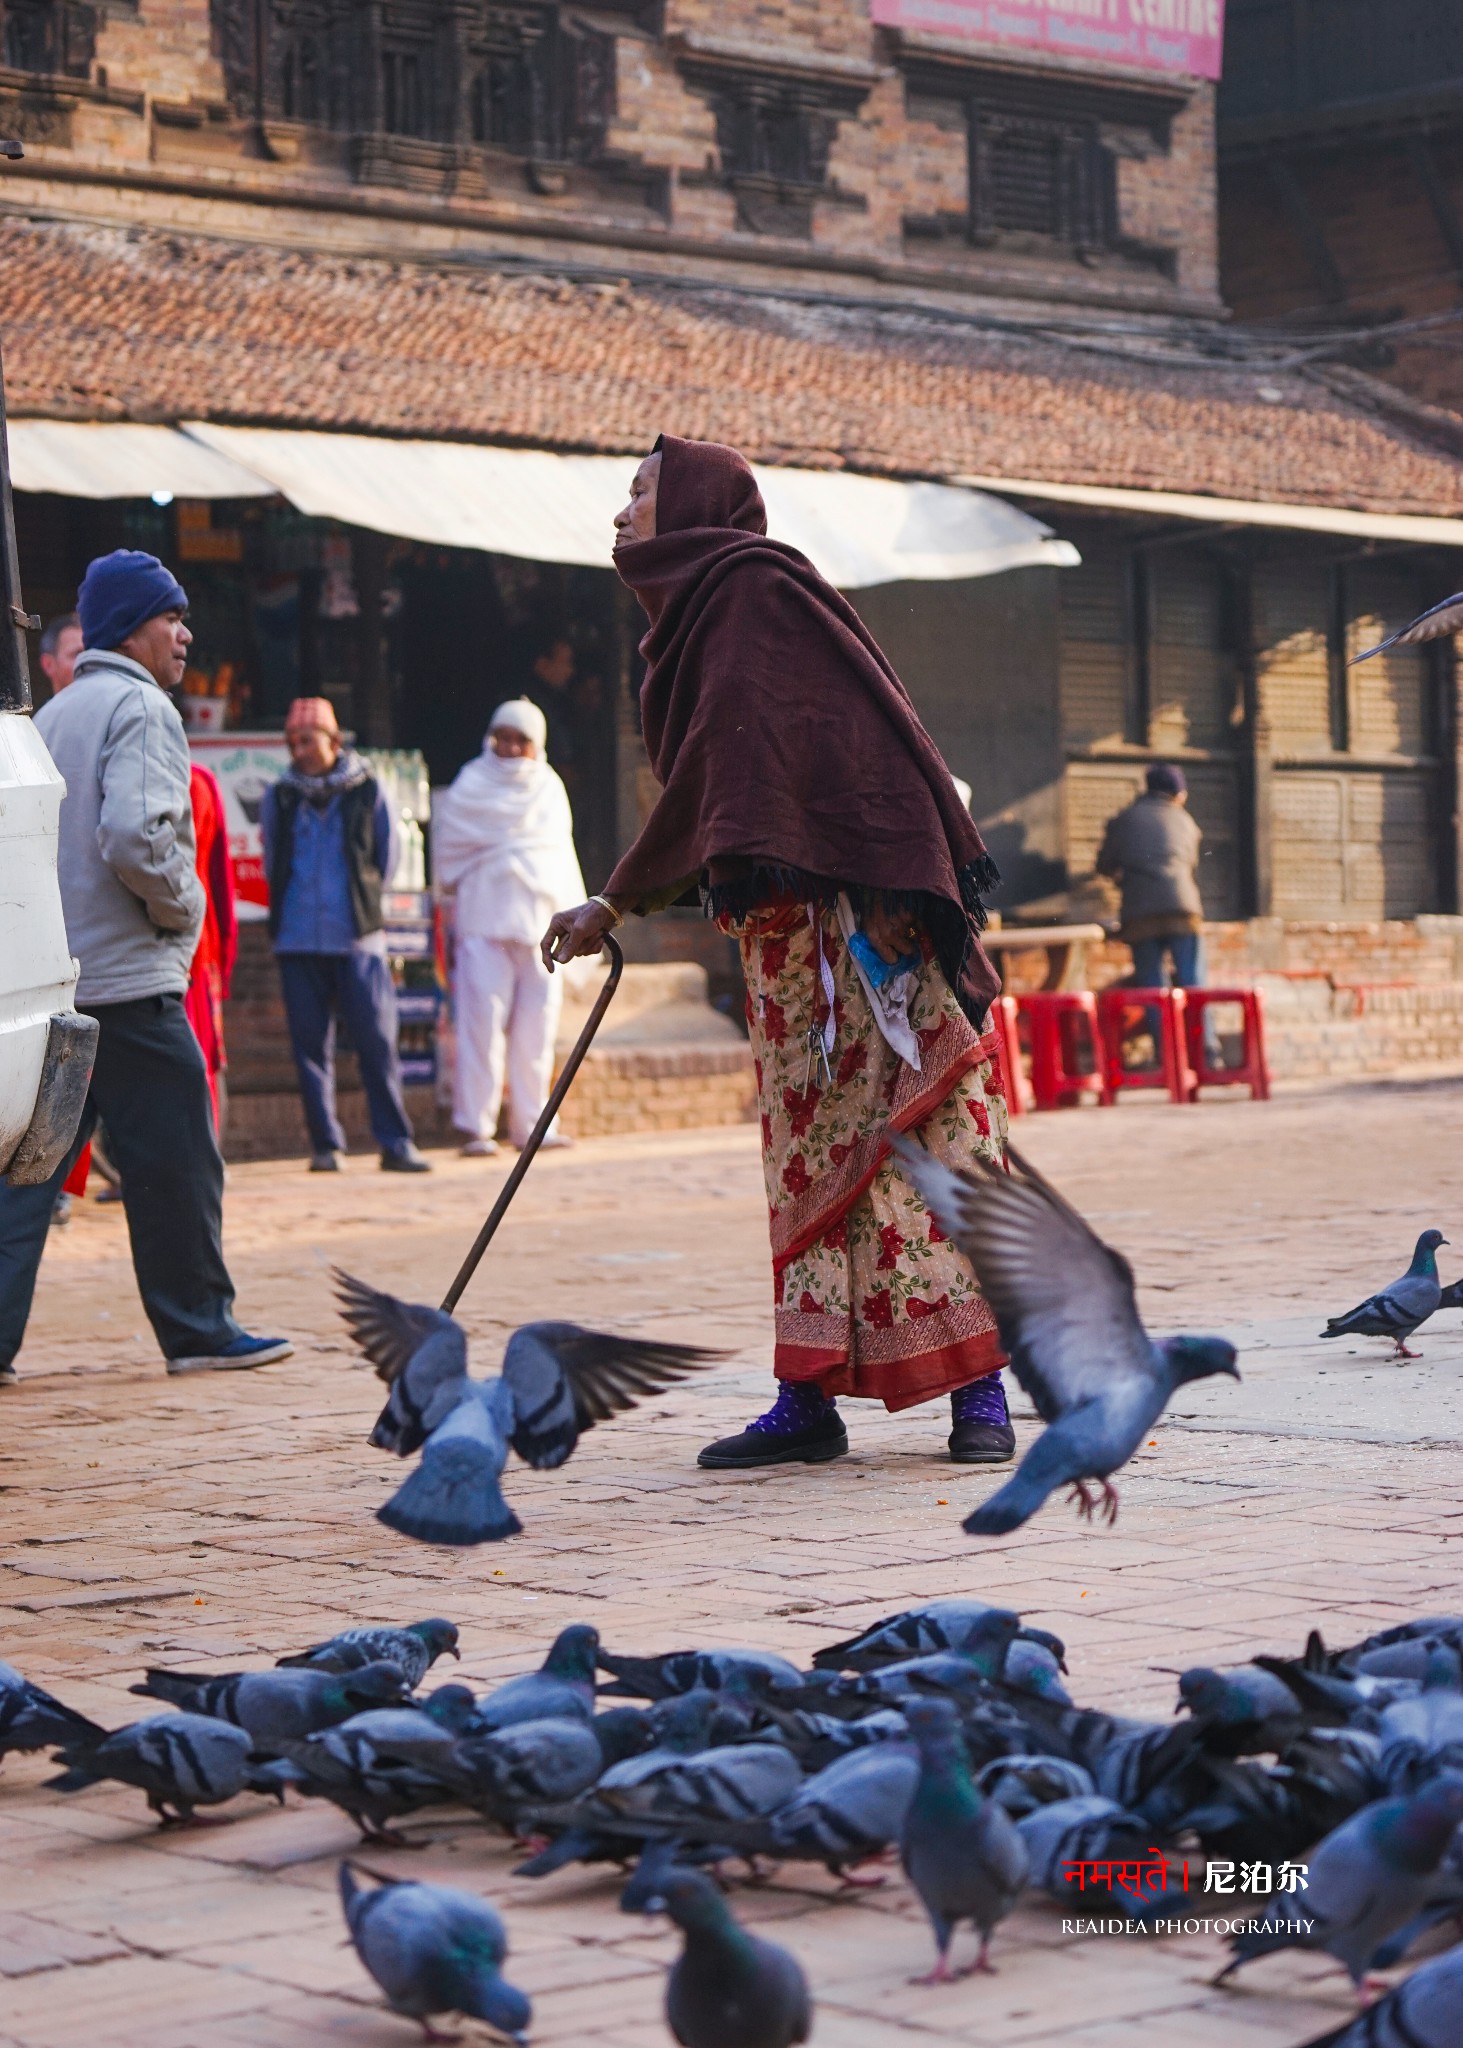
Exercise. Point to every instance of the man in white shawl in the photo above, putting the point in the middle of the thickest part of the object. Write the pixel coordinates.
(503, 840)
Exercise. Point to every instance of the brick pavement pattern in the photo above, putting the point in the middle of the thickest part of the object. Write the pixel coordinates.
(220, 1522)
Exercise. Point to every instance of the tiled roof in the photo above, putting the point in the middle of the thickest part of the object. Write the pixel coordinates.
(111, 323)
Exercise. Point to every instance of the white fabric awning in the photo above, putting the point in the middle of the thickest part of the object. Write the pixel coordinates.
(859, 530)
(530, 502)
(1425, 529)
(79, 459)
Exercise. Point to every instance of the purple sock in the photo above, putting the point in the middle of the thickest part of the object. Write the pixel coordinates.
(799, 1404)
(982, 1401)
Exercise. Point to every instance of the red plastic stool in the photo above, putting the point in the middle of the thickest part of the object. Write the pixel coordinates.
(1017, 1088)
(1252, 1068)
(1058, 1019)
(1173, 1070)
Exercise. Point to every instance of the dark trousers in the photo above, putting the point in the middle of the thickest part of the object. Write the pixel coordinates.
(150, 1088)
(357, 988)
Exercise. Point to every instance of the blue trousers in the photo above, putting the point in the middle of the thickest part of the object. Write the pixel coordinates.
(150, 1088)
(1185, 951)
(357, 989)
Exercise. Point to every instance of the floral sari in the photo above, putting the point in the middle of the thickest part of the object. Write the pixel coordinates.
(871, 1299)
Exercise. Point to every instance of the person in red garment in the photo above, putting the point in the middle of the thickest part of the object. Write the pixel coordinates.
(806, 805)
(218, 942)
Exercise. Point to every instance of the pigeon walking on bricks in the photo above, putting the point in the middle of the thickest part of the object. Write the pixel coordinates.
(556, 1381)
(434, 1949)
(31, 1718)
(1424, 2011)
(279, 1706)
(1064, 1303)
(1433, 624)
(659, 1678)
(1366, 1880)
(413, 1649)
(179, 1760)
(531, 1763)
(374, 1767)
(1396, 1311)
(962, 1853)
(728, 1988)
(563, 1684)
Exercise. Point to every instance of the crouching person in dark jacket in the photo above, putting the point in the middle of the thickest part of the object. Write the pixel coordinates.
(329, 850)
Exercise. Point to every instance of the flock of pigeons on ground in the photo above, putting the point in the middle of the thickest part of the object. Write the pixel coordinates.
(944, 1734)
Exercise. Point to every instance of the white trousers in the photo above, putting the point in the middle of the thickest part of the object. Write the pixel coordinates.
(507, 1015)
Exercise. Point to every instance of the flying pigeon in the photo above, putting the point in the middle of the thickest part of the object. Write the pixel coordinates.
(278, 1706)
(179, 1760)
(1424, 2011)
(434, 1949)
(1065, 1306)
(728, 1988)
(413, 1649)
(1432, 624)
(1367, 1879)
(1397, 1310)
(32, 1719)
(921, 1632)
(556, 1381)
(961, 1852)
(563, 1684)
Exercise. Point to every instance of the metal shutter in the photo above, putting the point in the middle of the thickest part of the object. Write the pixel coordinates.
(1352, 844)
(1095, 658)
(1094, 793)
(1193, 678)
(1387, 698)
(1214, 801)
(1291, 609)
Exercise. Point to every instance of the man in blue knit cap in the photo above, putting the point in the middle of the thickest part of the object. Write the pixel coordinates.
(134, 906)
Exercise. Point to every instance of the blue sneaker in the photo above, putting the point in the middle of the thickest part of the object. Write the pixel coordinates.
(240, 1356)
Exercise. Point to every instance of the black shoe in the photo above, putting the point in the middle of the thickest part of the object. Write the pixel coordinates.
(982, 1443)
(407, 1160)
(815, 1445)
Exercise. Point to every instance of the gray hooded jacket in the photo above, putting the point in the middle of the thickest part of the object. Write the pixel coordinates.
(133, 901)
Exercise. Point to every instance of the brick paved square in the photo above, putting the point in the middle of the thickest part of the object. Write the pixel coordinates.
(222, 1522)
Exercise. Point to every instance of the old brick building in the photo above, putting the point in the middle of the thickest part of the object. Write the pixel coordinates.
(983, 256)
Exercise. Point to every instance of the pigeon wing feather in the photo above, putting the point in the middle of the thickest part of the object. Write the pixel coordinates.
(1432, 624)
(388, 1331)
(1064, 1300)
(564, 1379)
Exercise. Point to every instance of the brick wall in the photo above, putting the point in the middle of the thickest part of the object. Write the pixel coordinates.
(166, 109)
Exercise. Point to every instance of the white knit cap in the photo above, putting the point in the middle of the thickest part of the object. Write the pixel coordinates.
(521, 714)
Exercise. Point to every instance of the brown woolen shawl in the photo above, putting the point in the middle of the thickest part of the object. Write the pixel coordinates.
(787, 749)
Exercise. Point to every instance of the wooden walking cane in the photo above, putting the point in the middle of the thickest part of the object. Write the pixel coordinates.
(536, 1135)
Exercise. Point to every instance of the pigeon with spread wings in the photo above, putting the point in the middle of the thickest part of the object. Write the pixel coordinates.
(1065, 1307)
(555, 1382)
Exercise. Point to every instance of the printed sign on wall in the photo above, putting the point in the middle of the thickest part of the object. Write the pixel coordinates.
(1154, 35)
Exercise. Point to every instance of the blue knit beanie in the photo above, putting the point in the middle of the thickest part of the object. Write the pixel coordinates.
(121, 592)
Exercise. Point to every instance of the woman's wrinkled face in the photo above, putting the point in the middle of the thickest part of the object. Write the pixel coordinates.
(636, 521)
(511, 745)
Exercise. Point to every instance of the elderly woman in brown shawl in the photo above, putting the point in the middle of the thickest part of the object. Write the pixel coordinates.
(804, 801)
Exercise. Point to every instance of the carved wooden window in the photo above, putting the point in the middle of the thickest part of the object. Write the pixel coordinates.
(1048, 179)
(49, 37)
(774, 136)
(1042, 155)
(521, 78)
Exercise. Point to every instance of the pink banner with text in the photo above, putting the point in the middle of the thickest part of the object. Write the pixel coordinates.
(1153, 35)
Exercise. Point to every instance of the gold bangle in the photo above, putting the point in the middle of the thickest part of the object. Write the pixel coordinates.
(617, 915)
